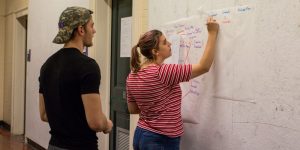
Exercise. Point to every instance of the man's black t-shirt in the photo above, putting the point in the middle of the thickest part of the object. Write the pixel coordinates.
(63, 78)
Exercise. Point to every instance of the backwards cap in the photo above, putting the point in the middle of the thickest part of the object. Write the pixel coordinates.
(71, 18)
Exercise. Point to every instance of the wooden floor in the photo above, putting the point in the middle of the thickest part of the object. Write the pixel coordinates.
(10, 142)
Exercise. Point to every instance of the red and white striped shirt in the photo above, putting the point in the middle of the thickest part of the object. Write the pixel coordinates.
(157, 93)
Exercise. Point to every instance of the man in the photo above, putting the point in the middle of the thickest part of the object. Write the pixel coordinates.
(69, 86)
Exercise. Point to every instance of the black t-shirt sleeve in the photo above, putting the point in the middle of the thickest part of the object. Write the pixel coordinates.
(40, 87)
(90, 78)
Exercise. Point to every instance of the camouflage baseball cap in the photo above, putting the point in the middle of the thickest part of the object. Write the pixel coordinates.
(71, 18)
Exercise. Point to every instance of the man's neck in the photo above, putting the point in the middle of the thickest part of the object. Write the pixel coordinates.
(74, 44)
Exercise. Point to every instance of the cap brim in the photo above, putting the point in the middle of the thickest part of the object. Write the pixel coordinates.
(62, 36)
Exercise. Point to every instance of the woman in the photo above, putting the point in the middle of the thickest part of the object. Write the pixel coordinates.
(153, 89)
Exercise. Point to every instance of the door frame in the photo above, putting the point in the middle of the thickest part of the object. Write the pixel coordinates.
(139, 26)
(119, 137)
(101, 52)
(18, 73)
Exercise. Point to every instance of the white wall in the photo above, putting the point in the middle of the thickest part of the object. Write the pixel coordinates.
(272, 122)
(42, 28)
(41, 49)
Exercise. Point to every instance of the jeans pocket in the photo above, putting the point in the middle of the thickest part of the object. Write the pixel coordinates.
(137, 138)
(153, 146)
(152, 141)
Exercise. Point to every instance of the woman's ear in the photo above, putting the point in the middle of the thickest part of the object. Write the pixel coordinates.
(154, 52)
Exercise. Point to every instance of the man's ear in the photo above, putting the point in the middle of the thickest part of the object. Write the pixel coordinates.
(80, 30)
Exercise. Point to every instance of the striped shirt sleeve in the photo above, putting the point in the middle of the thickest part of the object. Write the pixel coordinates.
(172, 74)
(128, 94)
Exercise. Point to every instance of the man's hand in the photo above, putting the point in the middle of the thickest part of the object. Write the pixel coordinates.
(109, 127)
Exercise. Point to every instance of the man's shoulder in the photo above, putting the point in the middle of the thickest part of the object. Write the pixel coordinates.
(89, 61)
(53, 56)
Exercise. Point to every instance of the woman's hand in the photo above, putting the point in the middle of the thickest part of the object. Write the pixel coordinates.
(212, 26)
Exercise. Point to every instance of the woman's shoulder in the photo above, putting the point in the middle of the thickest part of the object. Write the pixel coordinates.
(146, 71)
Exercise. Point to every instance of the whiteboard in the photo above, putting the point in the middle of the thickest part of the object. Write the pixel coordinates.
(188, 37)
(250, 98)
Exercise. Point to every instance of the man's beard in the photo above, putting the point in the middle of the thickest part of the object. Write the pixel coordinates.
(86, 44)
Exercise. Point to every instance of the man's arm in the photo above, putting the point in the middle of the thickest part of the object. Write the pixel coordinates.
(96, 119)
(43, 114)
(133, 108)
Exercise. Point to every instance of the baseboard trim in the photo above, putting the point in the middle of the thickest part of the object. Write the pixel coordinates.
(4, 125)
(35, 145)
